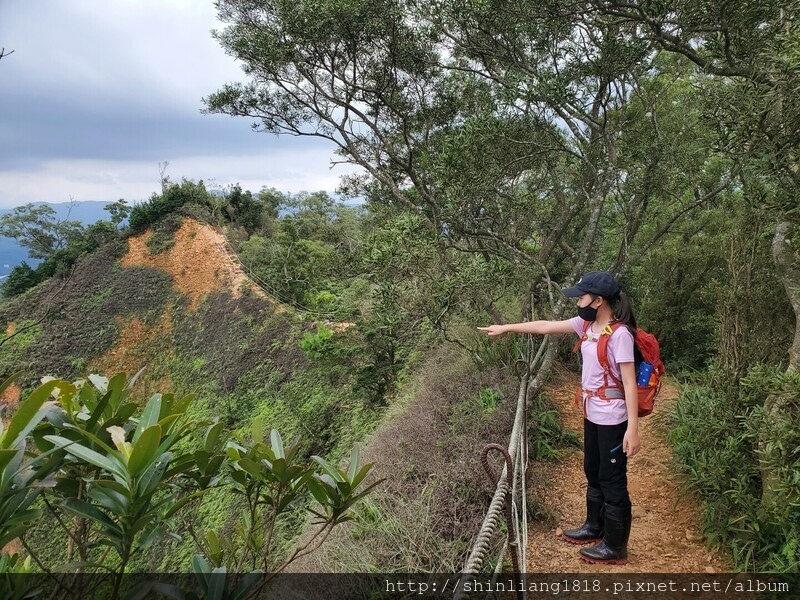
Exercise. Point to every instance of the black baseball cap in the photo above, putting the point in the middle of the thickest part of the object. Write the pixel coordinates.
(599, 283)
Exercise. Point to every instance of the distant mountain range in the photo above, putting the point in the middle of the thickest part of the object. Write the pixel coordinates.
(12, 254)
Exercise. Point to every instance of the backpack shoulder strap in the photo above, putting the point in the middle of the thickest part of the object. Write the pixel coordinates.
(602, 351)
(577, 345)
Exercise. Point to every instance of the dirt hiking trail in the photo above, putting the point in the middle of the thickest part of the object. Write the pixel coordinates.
(665, 534)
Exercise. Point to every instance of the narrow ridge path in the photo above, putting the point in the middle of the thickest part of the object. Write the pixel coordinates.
(665, 535)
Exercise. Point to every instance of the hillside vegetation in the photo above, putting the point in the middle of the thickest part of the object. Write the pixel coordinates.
(504, 149)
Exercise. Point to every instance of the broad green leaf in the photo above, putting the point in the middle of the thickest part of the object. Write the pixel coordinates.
(11, 534)
(87, 511)
(150, 415)
(168, 422)
(97, 412)
(251, 467)
(356, 481)
(212, 539)
(216, 586)
(335, 474)
(212, 436)
(318, 490)
(354, 460)
(201, 569)
(182, 405)
(245, 585)
(144, 450)
(277, 443)
(94, 439)
(154, 474)
(108, 464)
(110, 499)
(21, 517)
(6, 454)
(25, 418)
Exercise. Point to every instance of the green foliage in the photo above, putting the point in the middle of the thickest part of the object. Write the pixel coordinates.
(21, 279)
(119, 212)
(36, 228)
(163, 238)
(741, 460)
(488, 398)
(15, 573)
(244, 210)
(115, 477)
(546, 431)
(175, 196)
(316, 345)
(20, 474)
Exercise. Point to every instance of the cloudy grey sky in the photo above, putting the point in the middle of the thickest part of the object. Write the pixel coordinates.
(98, 92)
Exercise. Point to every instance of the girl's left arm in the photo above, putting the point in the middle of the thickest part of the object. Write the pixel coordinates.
(630, 443)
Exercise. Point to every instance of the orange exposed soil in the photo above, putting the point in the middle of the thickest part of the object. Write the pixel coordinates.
(128, 354)
(665, 536)
(198, 261)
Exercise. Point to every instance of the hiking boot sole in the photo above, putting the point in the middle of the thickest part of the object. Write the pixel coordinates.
(597, 561)
(581, 542)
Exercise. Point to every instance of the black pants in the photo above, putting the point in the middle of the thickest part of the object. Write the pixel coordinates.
(607, 471)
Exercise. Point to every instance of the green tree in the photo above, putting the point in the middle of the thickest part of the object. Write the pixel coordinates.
(21, 278)
(37, 229)
(751, 49)
(521, 139)
(119, 211)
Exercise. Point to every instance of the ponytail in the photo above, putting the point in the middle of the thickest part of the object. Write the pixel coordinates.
(622, 311)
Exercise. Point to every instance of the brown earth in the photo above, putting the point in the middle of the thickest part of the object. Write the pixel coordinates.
(665, 534)
(199, 261)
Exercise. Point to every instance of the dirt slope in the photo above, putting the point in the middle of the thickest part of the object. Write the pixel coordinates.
(665, 536)
(199, 262)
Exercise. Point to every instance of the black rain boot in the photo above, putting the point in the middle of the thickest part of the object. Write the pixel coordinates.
(592, 529)
(613, 550)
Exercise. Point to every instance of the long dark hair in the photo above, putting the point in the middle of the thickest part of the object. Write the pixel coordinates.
(622, 312)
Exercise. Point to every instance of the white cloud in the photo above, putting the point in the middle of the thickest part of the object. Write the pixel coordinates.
(155, 54)
(96, 94)
(90, 179)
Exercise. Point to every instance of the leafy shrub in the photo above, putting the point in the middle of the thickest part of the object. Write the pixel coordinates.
(21, 279)
(174, 197)
(740, 454)
(115, 476)
(163, 237)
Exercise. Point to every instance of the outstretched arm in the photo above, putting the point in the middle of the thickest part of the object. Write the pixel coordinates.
(535, 327)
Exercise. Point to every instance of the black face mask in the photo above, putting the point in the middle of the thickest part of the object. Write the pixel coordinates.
(587, 313)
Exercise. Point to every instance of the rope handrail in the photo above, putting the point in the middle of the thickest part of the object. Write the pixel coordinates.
(494, 514)
(516, 488)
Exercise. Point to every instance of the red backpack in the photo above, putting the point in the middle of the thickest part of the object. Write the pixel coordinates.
(650, 351)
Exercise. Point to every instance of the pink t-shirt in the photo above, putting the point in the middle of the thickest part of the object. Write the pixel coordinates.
(620, 350)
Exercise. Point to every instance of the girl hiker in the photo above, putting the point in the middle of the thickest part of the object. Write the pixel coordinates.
(611, 421)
